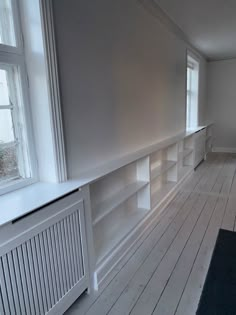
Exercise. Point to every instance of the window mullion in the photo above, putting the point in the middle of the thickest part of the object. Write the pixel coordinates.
(6, 107)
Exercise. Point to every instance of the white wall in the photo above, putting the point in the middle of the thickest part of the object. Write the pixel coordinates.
(222, 102)
(122, 77)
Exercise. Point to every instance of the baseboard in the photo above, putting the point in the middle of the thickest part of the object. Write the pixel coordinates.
(135, 236)
(224, 150)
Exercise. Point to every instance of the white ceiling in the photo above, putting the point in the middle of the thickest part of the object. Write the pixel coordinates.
(209, 24)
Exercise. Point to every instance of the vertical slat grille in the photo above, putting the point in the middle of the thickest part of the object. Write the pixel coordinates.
(36, 275)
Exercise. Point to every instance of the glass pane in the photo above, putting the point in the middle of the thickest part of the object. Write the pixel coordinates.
(14, 152)
(189, 79)
(8, 163)
(6, 126)
(4, 91)
(7, 33)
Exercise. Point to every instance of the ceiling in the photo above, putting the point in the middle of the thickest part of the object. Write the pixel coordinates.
(210, 25)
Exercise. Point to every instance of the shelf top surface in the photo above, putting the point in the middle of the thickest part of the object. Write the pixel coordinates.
(25, 200)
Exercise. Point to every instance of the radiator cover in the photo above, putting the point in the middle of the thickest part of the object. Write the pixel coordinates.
(45, 269)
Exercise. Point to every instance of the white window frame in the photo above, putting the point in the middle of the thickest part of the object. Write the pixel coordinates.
(18, 49)
(52, 81)
(14, 56)
(192, 108)
(46, 7)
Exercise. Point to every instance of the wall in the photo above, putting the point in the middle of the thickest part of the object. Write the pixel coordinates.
(222, 102)
(122, 76)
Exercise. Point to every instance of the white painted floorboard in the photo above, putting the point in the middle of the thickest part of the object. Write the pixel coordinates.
(165, 272)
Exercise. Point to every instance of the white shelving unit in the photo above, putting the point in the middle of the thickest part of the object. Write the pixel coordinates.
(115, 226)
(164, 167)
(163, 170)
(200, 146)
(126, 201)
(119, 201)
(185, 156)
(209, 139)
(161, 189)
(106, 206)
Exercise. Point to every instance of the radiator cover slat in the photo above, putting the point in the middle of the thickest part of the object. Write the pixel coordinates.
(37, 274)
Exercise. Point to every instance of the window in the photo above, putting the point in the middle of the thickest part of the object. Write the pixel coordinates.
(16, 154)
(7, 33)
(192, 92)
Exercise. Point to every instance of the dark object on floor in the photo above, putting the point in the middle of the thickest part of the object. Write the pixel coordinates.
(219, 292)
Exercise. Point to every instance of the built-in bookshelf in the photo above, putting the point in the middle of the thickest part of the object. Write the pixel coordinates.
(163, 170)
(127, 200)
(185, 156)
(119, 201)
(209, 139)
(200, 146)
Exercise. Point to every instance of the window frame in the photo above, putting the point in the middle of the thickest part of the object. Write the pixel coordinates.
(192, 63)
(19, 48)
(14, 56)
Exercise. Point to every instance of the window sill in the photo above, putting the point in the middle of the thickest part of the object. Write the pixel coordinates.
(195, 129)
(22, 201)
(13, 185)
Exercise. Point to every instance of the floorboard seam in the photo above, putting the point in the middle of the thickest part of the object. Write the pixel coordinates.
(180, 255)
(197, 255)
(162, 258)
(151, 250)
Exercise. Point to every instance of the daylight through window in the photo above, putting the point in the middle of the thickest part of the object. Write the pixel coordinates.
(15, 166)
(192, 92)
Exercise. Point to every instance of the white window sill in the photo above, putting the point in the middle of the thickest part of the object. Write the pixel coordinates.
(18, 203)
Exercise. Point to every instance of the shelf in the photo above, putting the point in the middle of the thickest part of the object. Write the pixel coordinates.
(164, 167)
(185, 152)
(105, 207)
(184, 171)
(107, 235)
(159, 194)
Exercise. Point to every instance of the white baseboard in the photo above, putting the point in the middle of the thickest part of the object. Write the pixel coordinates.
(225, 150)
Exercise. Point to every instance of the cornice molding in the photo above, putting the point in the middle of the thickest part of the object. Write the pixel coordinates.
(153, 8)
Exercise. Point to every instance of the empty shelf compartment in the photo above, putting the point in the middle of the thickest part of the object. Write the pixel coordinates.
(164, 167)
(115, 227)
(108, 205)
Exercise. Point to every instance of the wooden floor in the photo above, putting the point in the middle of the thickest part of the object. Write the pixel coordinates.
(166, 273)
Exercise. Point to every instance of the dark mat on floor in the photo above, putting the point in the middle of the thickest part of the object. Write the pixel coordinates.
(219, 292)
